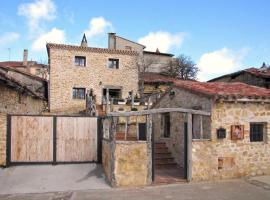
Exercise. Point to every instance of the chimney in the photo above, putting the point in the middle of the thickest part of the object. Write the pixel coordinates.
(111, 41)
(84, 41)
(25, 57)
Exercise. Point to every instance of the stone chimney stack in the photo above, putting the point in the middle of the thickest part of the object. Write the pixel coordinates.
(84, 41)
(25, 57)
(111, 41)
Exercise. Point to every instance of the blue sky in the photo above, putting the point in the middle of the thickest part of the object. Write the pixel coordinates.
(221, 36)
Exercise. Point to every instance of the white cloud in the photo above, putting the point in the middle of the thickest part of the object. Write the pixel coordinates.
(8, 37)
(53, 36)
(220, 62)
(162, 40)
(98, 26)
(37, 11)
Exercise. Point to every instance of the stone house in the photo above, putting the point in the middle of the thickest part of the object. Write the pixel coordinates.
(75, 70)
(21, 93)
(252, 76)
(216, 152)
(27, 66)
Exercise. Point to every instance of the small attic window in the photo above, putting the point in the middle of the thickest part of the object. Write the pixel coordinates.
(80, 61)
(128, 48)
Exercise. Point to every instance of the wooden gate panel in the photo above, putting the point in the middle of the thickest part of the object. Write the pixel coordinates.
(76, 139)
(31, 139)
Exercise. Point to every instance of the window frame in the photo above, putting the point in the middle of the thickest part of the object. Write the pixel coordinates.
(113, 60)
(80, 57)
(253, 137)
(75, 97)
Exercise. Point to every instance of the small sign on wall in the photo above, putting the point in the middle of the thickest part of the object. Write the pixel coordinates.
(237, 132)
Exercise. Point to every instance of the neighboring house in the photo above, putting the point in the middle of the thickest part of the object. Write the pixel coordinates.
(21, 93)
(252, 76)
(153, 61)
(217, 153)
(32, 67)
(195, 131)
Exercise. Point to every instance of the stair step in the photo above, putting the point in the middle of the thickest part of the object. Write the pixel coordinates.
(164, 160)
(163, 155)
(161, 151)
(167, 165)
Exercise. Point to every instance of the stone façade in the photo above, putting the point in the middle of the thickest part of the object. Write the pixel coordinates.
(246, 158)
(64, 75)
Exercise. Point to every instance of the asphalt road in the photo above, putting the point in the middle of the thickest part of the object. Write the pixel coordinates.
(237, 189)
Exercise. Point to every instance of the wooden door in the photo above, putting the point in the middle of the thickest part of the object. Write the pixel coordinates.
(31, 139)
(76, 139)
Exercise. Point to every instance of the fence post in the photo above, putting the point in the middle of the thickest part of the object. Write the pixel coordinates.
(8, 141)
(54, 140)
(189, 147)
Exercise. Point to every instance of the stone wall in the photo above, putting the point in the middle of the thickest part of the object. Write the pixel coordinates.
(131, 164)
(13, 102)
(241, 157)
(64, 75)
(157, 62)
(122, 43)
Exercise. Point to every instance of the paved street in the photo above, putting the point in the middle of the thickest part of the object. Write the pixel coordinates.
(48, 178)
(241, 189)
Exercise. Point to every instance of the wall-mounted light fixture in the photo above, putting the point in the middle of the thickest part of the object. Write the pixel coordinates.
(172, 94)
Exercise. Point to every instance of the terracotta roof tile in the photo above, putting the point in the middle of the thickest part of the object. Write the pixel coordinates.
(218, 89)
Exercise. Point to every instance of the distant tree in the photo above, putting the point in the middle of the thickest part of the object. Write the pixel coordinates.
(181, 67)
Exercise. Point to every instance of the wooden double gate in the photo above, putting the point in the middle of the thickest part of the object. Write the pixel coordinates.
(33, 139)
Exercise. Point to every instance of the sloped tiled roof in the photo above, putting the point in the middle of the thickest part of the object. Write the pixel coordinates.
(92, 49)
(217, 89)
(259, 72)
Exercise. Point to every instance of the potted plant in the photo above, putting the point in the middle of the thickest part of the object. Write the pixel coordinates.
(136, 102)
(121, 101)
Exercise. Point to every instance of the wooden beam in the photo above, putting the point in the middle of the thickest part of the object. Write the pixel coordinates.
(201, 127)
(126, 127)
(149, 124)
(159, 110)
(189, 147)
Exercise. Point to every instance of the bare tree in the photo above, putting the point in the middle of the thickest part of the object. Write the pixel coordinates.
(181, 67)
(143, 65)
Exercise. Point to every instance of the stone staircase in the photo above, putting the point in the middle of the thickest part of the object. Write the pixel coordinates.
(163, 157)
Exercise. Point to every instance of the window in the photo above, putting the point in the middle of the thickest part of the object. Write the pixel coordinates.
(78, 93)
(80, 61)
(113, 63)
(128, 48)
(257, 132)
(201, 127)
